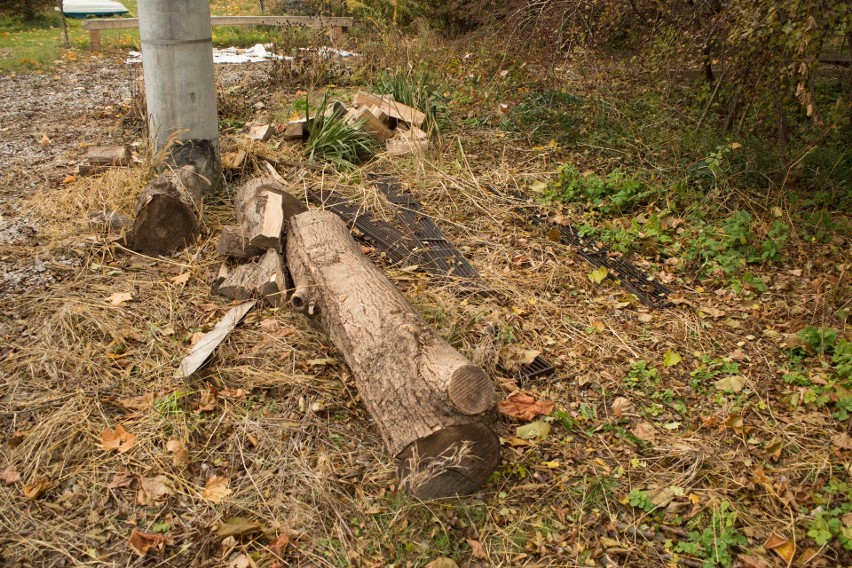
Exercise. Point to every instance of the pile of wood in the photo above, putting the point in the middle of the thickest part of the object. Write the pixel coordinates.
(397, 126)
(252, 248)
(434, 408)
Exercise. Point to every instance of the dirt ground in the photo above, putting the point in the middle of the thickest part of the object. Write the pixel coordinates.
(269, 458)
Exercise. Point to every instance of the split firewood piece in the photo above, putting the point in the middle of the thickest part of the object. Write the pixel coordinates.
(234, 244)
(295, 130)
(262, 206)
(168, 212)
(433, 407)
(392, 108)
(202, 350)
(402, 144)
(370, 124)
(109, 156)
(264, 277)
(260, 132)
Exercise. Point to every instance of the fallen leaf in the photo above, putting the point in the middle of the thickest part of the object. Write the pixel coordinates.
(442, 563)
(645, 318)
(645, 431)
(119, 298)
(142, 402)
(750, 561)
(842, 441)
(664, 496)
(773, 448)
(180, 455)
(524, 407)
(241, 561)
(195, 338)
(621, 406)
(534, 430)
(45, 141)
(153, 490)
(180, 278)
(554, 235)
(10, 475)
(36, 488)
(122, 479)
(598, 275)
(69, 179)
(235, 394)
(280, 545)
(208, 401)
(142, 542)
(117, 439)
(477, 550)
(731, 383)
(237, 526)
(216, 489)
(783, 547)
(671, 358)
(714, 313)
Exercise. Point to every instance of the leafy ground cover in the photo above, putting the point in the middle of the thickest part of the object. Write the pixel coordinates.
(711, 432)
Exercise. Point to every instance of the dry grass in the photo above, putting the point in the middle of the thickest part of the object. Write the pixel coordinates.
(284, 424)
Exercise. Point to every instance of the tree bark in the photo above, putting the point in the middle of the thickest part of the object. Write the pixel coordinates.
(168, 212)
(433, 407)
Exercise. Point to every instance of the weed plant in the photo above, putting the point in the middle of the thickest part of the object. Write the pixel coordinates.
(335, 141)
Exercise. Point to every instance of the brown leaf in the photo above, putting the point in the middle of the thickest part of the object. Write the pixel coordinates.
(279, 547)
(554, 235)
(10, 475)
(143, 402)
(714, 313)
(216, 489)
(442, 562)
(36, 488)
(69, 179)
(783, 547)
(522, 406)
(121, 479)
(153, 490)
(142, 542)
(621, 406)
(750, 561)
(237, 526)
(842, 441)
(180, 455)
(45, 141)
(235, 394)
(477, 550)
(208, 401)
(645, 431)
(118, 439)
(119, 298)
(196, 337)
(773, 448)
(180, 278)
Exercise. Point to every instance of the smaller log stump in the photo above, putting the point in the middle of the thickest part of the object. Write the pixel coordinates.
(168, 212)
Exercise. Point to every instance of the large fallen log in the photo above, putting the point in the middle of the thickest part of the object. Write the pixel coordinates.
(168, 212)
(433, 407)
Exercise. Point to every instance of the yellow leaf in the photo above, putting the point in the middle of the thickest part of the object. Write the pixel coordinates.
(69, 179)
(216, 489)
(671, 358)
(597, 276)
(783, 547)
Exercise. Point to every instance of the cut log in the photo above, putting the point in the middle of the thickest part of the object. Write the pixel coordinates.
(371, 125)
(262, 205)
(109, 156)
(168, 212)
(433, 407)
(264, 277)
(392, 108)
(234, 244)
(261, 132)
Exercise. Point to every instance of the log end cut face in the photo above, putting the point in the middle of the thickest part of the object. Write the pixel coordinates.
(456, 460)
(471, 391)
(163, 226)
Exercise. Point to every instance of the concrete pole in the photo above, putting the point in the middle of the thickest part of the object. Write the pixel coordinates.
(177, 61)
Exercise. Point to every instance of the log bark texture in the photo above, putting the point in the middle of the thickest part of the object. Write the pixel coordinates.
(168, 212)
(433, 407)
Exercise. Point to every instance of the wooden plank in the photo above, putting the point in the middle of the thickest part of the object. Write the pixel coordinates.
(109, 156)
(298, 21)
